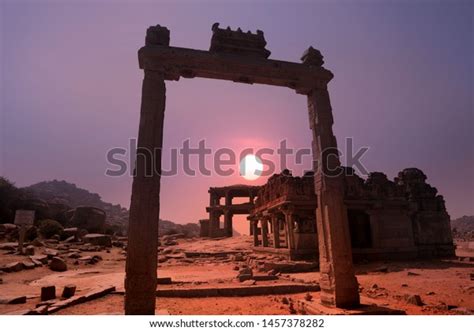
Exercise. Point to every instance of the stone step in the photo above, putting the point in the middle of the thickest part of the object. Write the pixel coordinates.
(237, 291)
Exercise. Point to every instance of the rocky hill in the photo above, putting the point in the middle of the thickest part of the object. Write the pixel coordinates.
(463, 227)
(53, 198)
(62, 192)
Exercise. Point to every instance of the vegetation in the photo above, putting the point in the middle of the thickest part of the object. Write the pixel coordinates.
(49, 228)
(9, 194)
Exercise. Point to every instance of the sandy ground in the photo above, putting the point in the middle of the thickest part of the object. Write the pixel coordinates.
(445, 287)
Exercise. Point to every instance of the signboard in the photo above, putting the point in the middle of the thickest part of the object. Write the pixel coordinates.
(24, 217)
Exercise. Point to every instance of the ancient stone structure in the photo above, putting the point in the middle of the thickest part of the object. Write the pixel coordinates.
(239, 57)
(283, 219)
(228, 209)
(399, 219)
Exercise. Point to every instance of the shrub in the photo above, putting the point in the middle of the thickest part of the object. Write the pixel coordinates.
(31, 233)
(49, 228)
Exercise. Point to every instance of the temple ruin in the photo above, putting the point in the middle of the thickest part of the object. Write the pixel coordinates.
(400, 219)
(239, 57)
(211, 227)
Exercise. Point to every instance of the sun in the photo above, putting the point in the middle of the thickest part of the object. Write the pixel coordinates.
(251, 167)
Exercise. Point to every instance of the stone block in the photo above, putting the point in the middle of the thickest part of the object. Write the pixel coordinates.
(69, 291)
(48, 293)
(98, 239)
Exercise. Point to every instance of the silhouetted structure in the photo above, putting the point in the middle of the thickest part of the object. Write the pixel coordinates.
(399, 219)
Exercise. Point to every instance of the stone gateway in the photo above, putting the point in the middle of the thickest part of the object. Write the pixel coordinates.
(239, 57)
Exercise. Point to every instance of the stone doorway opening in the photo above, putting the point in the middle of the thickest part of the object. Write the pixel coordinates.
(360, 229)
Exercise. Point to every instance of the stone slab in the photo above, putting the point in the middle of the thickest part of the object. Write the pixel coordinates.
(367, 307)
(236, 291)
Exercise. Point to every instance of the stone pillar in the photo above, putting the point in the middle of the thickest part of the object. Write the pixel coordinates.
(264, 232)
(228, 199)
(276, 231)
(212, 199)
(290, 229)
(213, 224)
(228, 223)
(204, 228)
(141, 265)
(255, 231)
(339, 285)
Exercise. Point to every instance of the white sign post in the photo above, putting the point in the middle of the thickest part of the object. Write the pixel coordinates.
(23, 218)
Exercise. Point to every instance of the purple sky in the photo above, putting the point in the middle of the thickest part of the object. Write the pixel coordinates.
(71, 85)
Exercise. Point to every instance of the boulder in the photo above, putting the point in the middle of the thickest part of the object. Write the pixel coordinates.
(30, 250)
(50, 252)
(239, 257)
(58, 264)
(245, 273)
(13, 300)
(98, 239)
(89, 218)
(74, 255)
(411, 273)
(71, 232)
(414, 300)
(36, 263)
(9, 246)
(70, 239)
(40, 257)
(13, 267)
(29, 265)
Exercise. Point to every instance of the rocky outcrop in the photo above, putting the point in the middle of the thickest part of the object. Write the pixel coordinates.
(188, 230)
(88, 218)
(463, 228)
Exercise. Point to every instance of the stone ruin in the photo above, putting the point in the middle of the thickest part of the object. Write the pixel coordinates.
(238, 57)
(211, 227)
(399, 219)
(237, 42)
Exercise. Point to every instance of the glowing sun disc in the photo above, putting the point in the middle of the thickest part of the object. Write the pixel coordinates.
(251, 167)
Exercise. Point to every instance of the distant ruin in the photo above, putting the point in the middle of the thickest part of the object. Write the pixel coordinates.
(399, 219)
(211, 227)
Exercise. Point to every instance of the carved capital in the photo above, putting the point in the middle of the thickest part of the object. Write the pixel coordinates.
(312, 57)
(157, 35)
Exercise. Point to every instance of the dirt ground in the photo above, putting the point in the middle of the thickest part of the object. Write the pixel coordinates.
(445, 287)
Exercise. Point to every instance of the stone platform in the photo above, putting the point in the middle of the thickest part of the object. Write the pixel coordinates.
(367, 307)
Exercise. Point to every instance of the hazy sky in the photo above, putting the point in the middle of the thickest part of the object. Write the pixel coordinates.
(71, 86)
